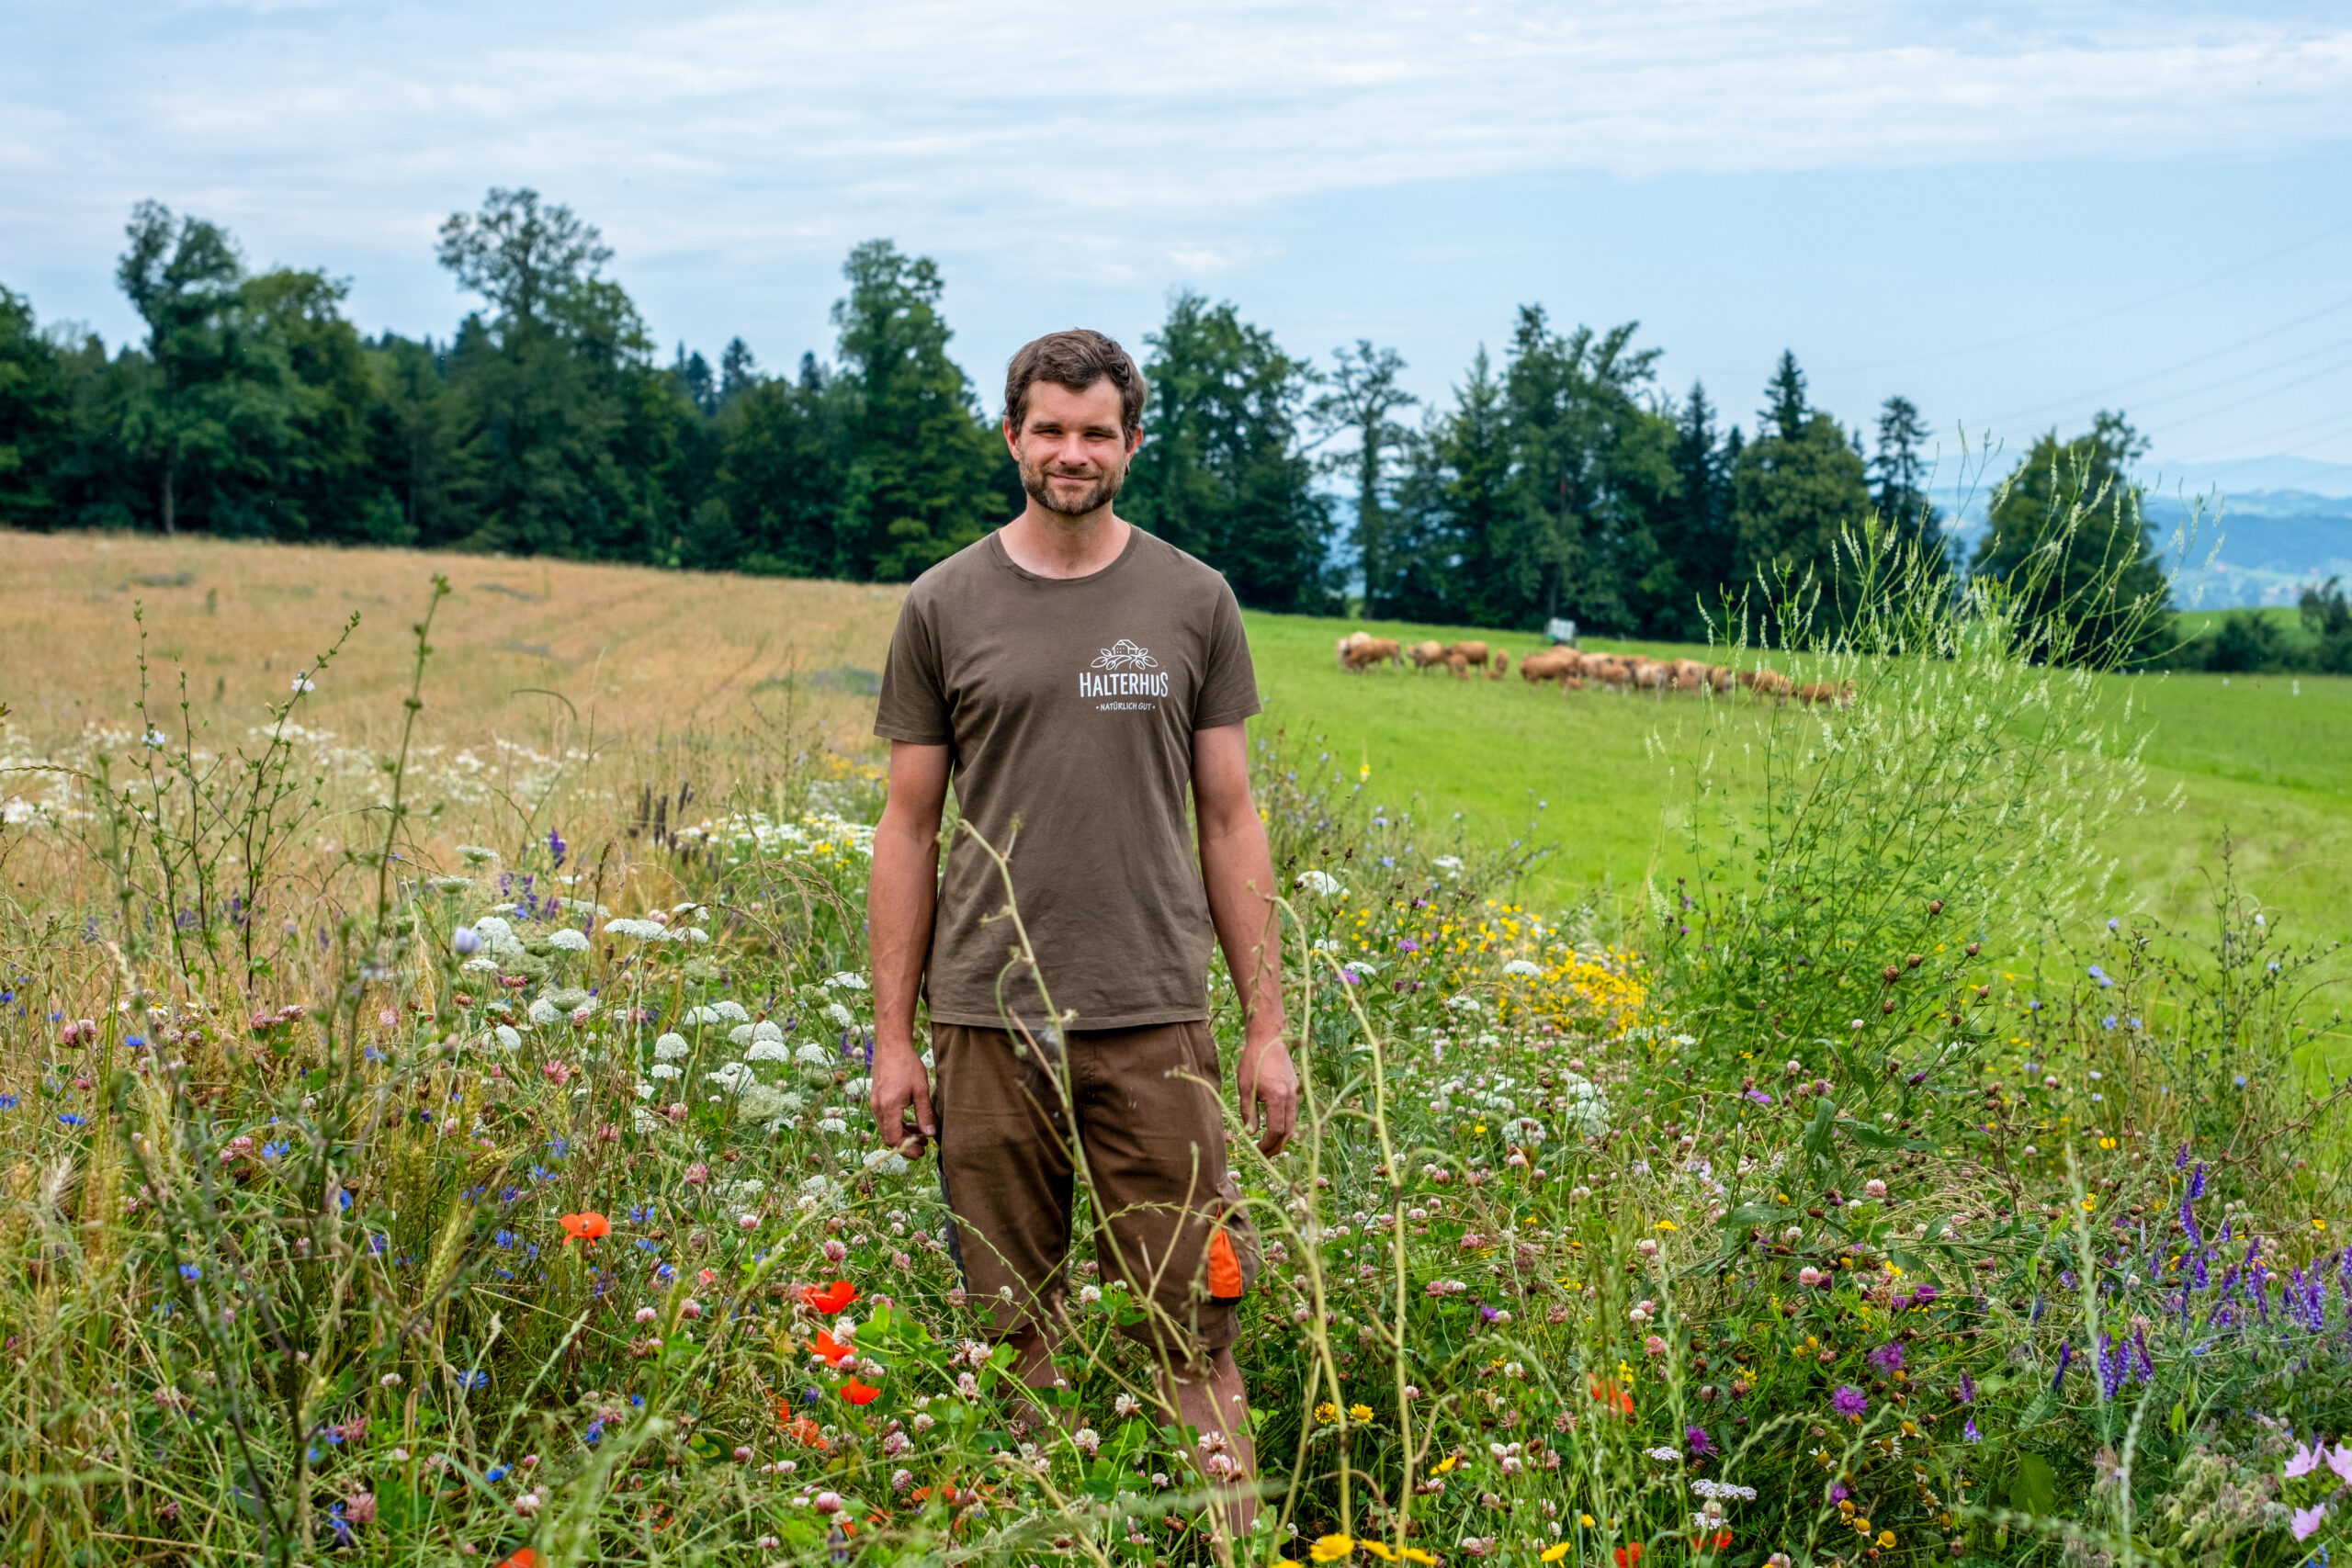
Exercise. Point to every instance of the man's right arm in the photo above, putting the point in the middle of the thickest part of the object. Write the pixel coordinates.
(899, 894)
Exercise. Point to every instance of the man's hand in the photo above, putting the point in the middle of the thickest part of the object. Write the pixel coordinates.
(1269, 1088)
(901, 1085)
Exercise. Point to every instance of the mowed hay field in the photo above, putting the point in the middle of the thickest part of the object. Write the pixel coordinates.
(552, 656)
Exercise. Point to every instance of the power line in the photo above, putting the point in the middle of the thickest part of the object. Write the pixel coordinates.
(2100, 316)
(2266, 393)
(2185, 365)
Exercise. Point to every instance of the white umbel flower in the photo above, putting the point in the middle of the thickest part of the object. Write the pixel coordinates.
(1319, 883)
(847, 981)
(670, 1047)
(568, 940)
(1521, 968)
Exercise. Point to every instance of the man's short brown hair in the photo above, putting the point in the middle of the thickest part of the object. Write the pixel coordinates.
(1076, 359)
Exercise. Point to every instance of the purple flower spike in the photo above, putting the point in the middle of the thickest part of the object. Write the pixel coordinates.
(2197, 1182)
(1967, 1388)
(2065, 1358)
(1970, 1434)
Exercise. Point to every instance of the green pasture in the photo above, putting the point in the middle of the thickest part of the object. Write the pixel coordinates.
(2264, 761)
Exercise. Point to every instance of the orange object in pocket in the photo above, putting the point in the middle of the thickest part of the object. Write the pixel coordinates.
(1225, 1269)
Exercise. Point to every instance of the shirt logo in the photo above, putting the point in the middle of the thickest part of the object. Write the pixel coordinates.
(1127, 671)
(1125, 655)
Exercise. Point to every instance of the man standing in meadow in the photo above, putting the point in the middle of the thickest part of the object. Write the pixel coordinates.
(1077, 678)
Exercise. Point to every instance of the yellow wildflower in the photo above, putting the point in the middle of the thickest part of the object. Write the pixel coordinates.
(1378, 1548)
(1358, 1411)
(1331, 1548)
(1555, 1552)
(1415, 1554)
(1886, 1540)
(1448, 1463)
(1327, 1411)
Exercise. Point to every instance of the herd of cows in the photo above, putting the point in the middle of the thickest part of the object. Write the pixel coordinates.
(1360, 652)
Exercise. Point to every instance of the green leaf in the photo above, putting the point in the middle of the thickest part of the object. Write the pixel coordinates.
(2034, 1488)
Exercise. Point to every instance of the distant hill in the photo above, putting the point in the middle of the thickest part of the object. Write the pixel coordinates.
(2258, 547)
(2233, 548)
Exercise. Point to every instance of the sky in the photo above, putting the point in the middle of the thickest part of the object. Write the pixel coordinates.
(2012, 214)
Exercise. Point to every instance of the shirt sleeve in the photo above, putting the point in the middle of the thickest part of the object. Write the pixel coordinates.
(914, 696)
(1228, 692)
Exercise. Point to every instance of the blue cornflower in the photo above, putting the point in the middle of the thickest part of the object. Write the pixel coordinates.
(7, 1102)
(2107, 1023)
(559, 1148)
(496, 1474)
(191, 1271)
(540, 1173)
(71, 1119)
(275, 1149)
(595, 1434)
(640, 1213)
(342, 1199)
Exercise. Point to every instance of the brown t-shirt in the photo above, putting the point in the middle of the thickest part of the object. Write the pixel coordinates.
(1068, 704)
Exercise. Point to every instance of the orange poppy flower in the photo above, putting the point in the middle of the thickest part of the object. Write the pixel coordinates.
(857, 1392)
(833, 1299)
(808, 1433)
(1627, 1556)
(585, 1227)
(829, 1349)
(524, 1558)
(1723, 1541)
(1614, 1397)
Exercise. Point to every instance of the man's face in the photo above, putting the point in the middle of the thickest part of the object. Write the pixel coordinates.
(1072, 452)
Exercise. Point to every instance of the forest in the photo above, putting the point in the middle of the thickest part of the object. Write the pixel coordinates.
(1559, 481)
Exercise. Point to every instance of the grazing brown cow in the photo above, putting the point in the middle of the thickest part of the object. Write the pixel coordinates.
(1502, 665)
(1371, 650)
(1649, 675)
(1837, 695)
(1609, 669)
(1472, 653)
(1761, 684)
(1550, 664)
(1459, 663)
(1424, 654)
(1348, 641)
(1690, 675)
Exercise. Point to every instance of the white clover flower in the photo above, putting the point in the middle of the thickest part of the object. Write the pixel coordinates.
(664, 1070)
(508, 1039)
(569, 941)
(643, 1119)
(636, 930)
(847, 980)
(766, 1029)
(670, 1047)
(832, 1124)
(886, 1162)
(841, 1015)
(1462, 1004)
(767, 1051)
(1319, 883)
(475, 854)
(644, 1089)
(816, 1056)
(543, 1012)
(1521, 968)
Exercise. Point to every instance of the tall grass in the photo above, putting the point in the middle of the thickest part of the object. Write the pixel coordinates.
(408, 1169)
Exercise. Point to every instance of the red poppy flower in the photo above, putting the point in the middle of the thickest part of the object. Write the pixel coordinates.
(1627, 1556)
(1723, 1541)
(1614, 1397)
(524, 1558)
(833, 1299)
(857, 1392)
(832, 1350)
(585, 1227)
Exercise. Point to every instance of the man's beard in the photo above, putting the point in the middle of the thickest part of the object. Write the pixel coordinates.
(1099, 494)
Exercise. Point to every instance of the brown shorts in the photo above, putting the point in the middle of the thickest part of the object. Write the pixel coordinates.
(1152, 1132)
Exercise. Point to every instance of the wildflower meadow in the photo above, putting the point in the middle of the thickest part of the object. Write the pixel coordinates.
(417, 1152)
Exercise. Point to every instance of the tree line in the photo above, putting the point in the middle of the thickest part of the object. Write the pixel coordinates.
(1559, 481)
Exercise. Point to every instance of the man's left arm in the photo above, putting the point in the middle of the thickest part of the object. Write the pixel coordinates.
(1239, 873)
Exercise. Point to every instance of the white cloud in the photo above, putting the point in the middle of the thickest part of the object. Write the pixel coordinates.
(733, 128)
